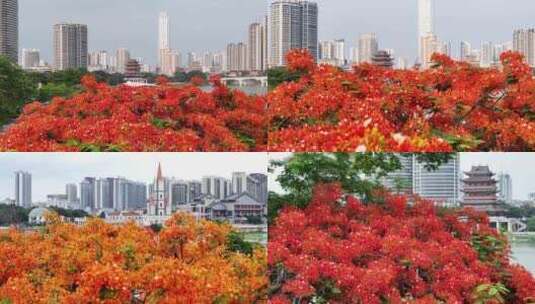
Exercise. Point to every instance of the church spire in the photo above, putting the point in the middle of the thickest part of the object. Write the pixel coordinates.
(159, 176)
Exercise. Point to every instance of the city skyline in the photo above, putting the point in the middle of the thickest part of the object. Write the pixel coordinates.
(475, 21)
(52, 178)
(134, 24)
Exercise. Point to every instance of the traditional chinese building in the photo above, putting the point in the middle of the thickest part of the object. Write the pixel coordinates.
(481, 191)
(383, 59)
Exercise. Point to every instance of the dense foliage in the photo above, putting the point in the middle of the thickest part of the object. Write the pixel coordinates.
(188, 261)
(339, 250)
(159, 118)
(452, 106)
(357, 173)
(13, 215)
(16, 88)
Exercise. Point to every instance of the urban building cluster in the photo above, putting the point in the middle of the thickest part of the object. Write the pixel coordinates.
(447, 185)
(289, 24)
(240, 199)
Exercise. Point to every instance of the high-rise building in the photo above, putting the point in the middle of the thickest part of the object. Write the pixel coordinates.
(23, 189)
(236, 57)
(425, 24)
(71, 190)
(99, 61)
(293, 25)
(163, 40)
(524, 42)
(440, 186)
(257, 187)
(466, 51)
(446, 49)
(163, 32)
(30, 58)
(368, 46)
(70, 46)
(429, 45)
(505, 188)
(128, 195)
(9, 29)
(239, 182)
(332, 52)
(123, 55)
(487, 54)
(217, 187)
(87, 193)
(169, 61)
(256, 47)
(159, 203)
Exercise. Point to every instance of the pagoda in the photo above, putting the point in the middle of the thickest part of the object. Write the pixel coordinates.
(481, 191)
(383, 59)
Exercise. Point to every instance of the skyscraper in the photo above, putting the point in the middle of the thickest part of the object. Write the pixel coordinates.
(23, 189)
(87, 193)
(236, 57)
(524, 42)
(30, 58)
(72, 193)
(332, 52)
(293, 24)
(9, 29)
(425, 24)
(70, 46)
(440, 186)
(368, 46)
(163, 37)
(256, 47)
(163, 33)
(466, 51)
(429, 45)
(487, 54)
(123, 55)
(505, 188)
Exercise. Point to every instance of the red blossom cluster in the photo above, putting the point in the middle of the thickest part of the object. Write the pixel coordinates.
(339, 250)
(159, 118)
(451, 106)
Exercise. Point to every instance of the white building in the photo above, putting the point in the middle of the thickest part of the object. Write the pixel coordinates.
(505, 188)
(429, 45)
(159, 203)
(440, 186)
(332, 52)
(23, 189)
(163, 38)
(368, 46)
(487, 54)
(30, 58)
(257, 47)
(71, 190)
(425, 25)
(524, 42)
(122, 55)
(169, 62)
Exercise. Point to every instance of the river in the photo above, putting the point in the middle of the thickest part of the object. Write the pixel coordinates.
(250, 90)
(524, 254)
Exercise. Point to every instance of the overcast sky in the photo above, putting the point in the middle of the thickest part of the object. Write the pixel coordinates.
(521, 167)
(198, 25)
(52, 171)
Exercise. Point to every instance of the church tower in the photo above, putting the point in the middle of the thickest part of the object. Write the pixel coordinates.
(159, 204)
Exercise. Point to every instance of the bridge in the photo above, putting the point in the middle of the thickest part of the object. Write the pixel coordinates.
(246, 81)
(509, 225)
